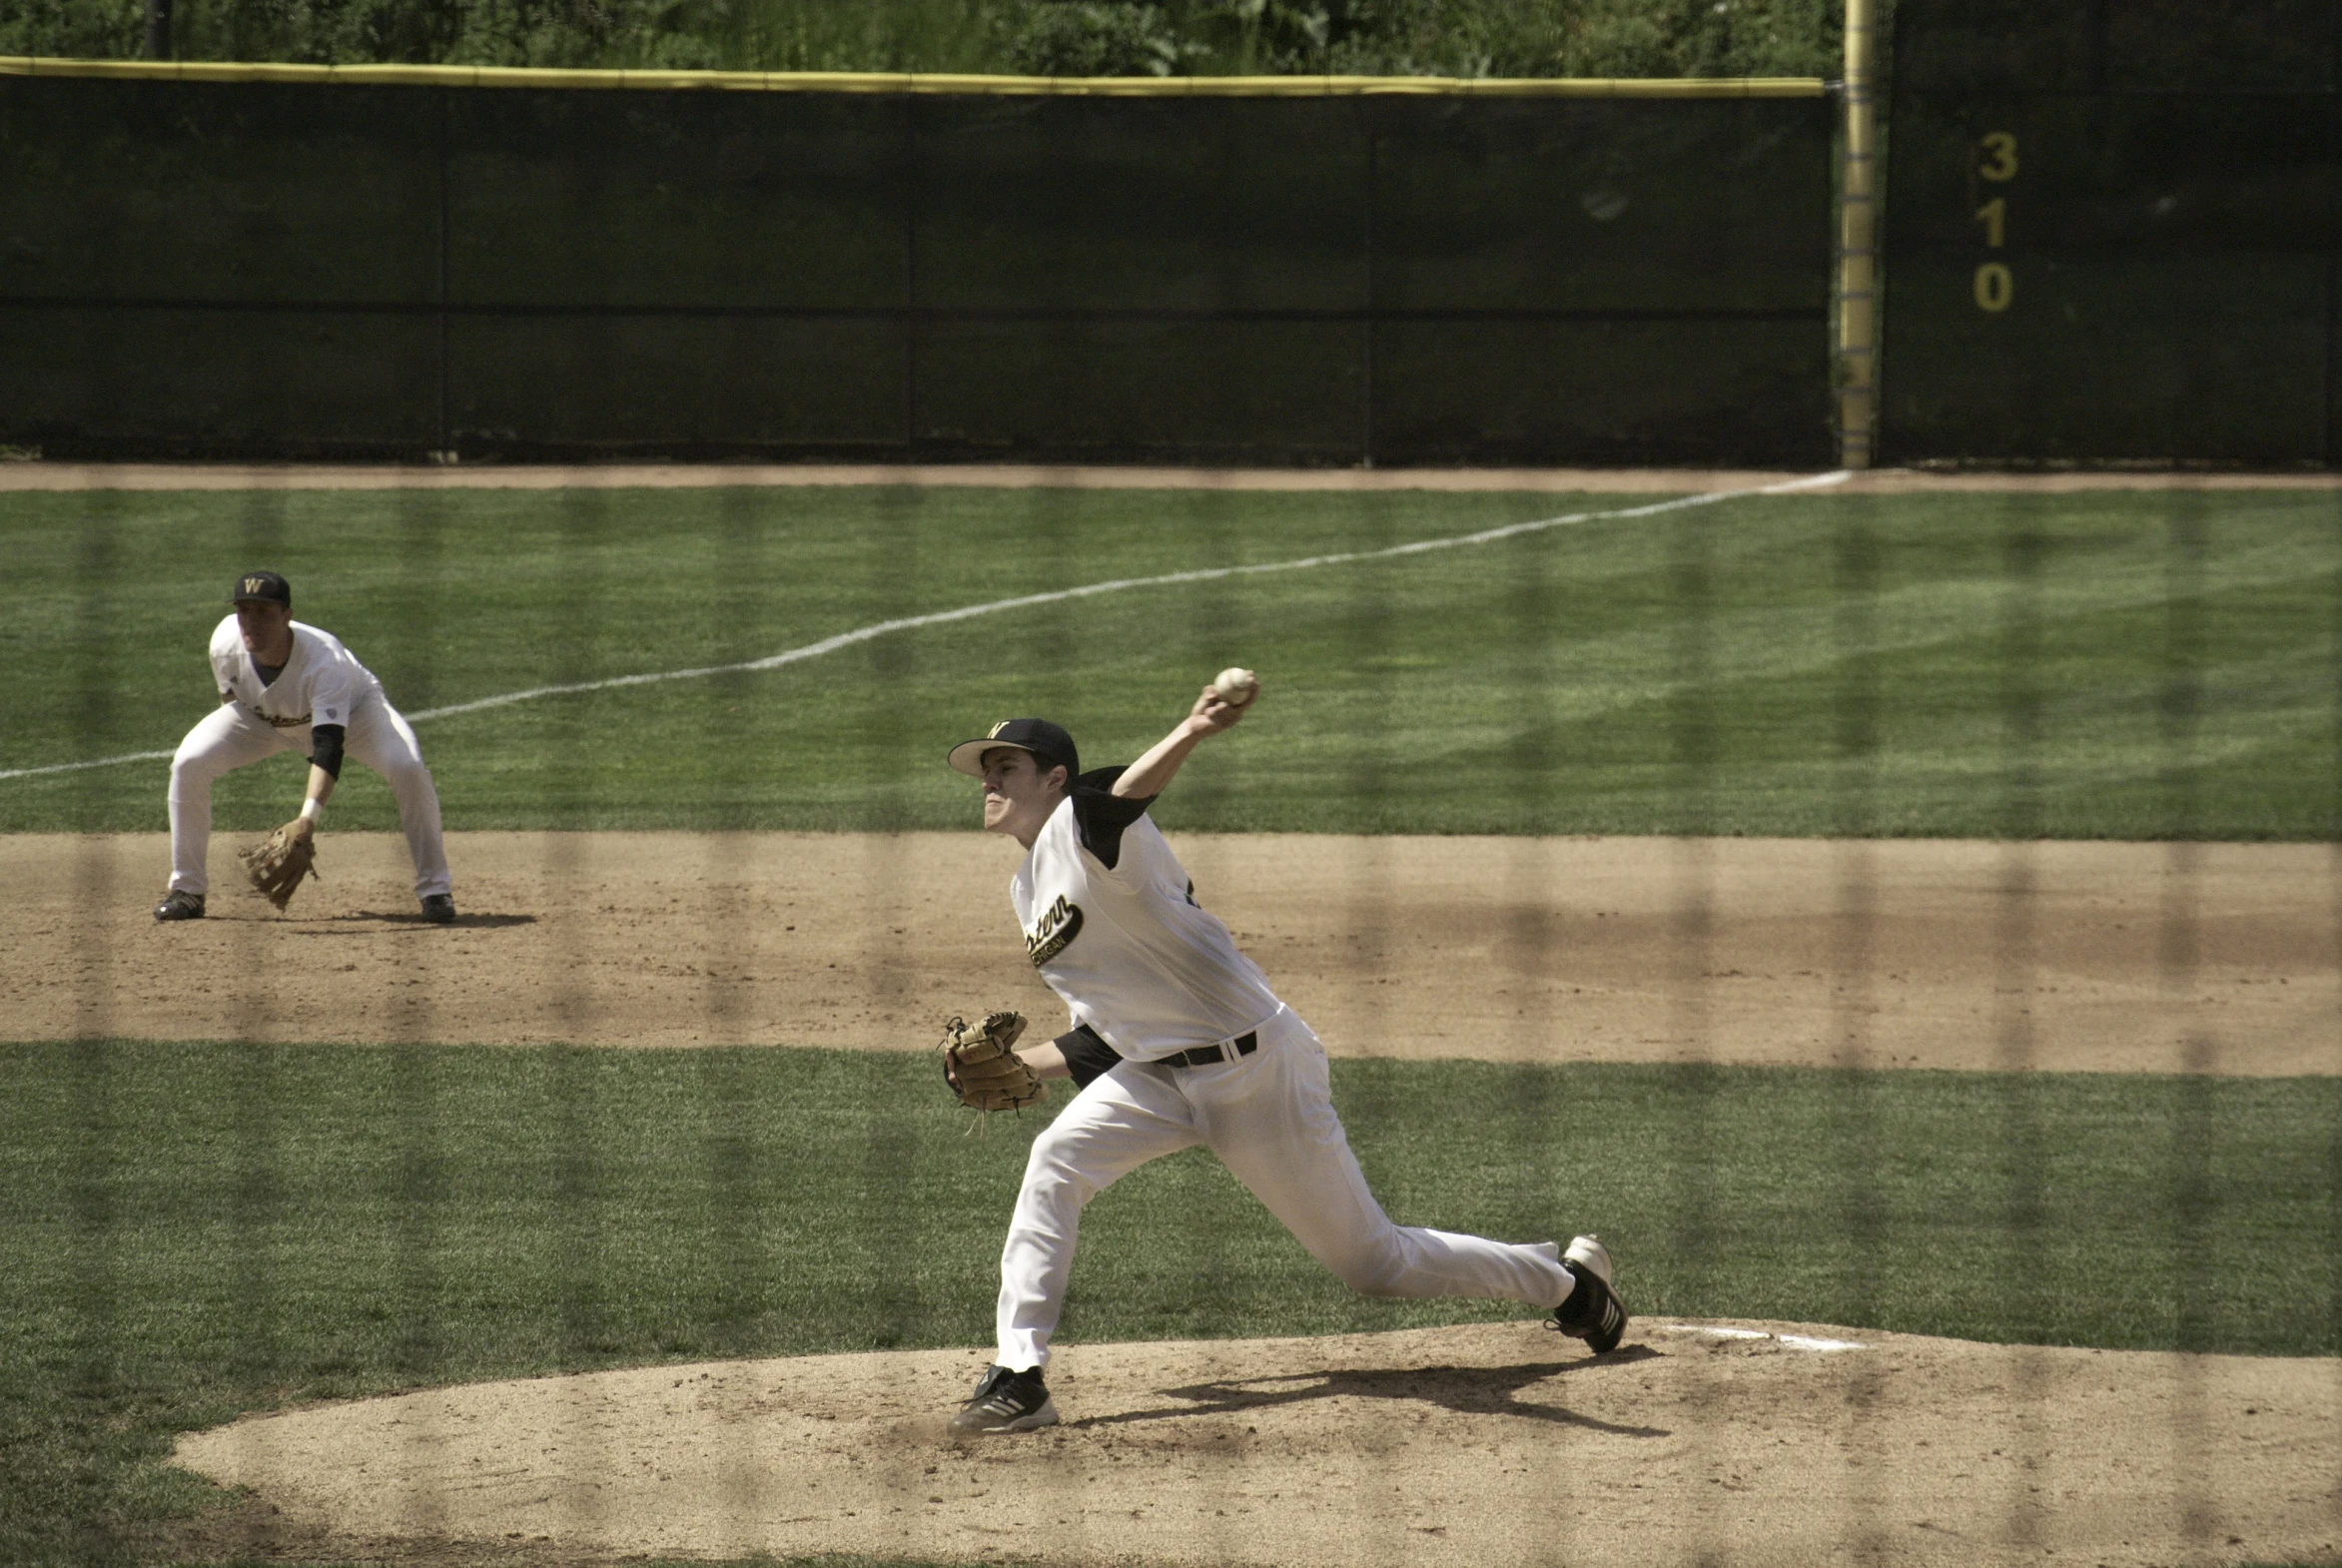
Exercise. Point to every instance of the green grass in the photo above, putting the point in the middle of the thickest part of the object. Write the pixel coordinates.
(2113, 664)
(199, 1229)
(196, 1231)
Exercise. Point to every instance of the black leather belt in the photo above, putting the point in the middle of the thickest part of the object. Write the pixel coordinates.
(1204, 1056)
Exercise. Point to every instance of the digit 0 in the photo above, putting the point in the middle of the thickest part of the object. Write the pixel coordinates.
(1994, 288)
(2000, 160)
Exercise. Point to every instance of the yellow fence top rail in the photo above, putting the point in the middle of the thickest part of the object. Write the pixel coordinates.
(910, 82)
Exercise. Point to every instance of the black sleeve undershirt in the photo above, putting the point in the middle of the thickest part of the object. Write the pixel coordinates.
(1086, 1055)
(324, 748)
(1102, 815)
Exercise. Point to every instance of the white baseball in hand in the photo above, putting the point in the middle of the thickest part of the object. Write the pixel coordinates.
(1236, 687)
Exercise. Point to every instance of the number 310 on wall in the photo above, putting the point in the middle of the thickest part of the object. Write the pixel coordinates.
(1992, 286)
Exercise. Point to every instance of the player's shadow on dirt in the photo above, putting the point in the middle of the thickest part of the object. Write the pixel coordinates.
(1467, 1391)
(376, 917)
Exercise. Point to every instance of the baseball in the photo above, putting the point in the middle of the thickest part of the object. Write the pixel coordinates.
(1237, 685)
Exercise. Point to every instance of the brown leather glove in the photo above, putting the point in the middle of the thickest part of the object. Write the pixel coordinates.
(981, 1067)
(280, 863)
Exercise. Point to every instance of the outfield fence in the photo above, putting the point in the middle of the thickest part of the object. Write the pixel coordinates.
(2115, 232)
(2114, 239)
(272, 261)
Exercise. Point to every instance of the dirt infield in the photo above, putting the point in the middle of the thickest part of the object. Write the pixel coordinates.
(1473, 1448)
(1895, 954)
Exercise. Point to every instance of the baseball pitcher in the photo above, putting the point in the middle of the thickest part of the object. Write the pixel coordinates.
(1178, 1039)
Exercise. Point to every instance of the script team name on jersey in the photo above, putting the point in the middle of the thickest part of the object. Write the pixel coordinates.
(1060, 923)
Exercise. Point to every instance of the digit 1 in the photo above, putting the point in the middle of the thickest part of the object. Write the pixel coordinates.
(1993, 215)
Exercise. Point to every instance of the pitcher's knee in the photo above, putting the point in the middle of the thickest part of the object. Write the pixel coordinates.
(1370, 1271)
(1053, 1177)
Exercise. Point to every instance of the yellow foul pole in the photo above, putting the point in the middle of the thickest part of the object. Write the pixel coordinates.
(1858, 244)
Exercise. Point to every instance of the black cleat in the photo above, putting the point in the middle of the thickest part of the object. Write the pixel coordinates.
(1006, 1401)
(179, 905)
(439, 909)
(1593, 1311)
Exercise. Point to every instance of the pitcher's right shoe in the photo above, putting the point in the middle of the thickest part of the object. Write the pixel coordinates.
(179, 905)
(1593, 1311)
(1006, 1401)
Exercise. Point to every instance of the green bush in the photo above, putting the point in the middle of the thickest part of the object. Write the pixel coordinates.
(1095, 39)
(1037, 37)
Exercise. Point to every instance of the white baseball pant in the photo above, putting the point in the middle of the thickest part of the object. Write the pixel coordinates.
(378, 736)
(1270, 1117)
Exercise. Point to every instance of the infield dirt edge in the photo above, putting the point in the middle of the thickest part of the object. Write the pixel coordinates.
(1752, 952)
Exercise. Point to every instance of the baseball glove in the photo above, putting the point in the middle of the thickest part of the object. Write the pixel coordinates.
(279, 863)
(981, 1067)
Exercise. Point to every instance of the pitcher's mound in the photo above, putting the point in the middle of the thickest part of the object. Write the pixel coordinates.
(1492, 1444)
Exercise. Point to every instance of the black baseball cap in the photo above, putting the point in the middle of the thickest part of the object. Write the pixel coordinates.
(1051, 746)
(263, 585)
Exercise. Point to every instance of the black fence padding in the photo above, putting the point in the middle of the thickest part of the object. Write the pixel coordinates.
(166, 193)
(2116, 46)
(1586, 206)
(617, 200)
(2164, 184)
(1187, 205)
(304, 268)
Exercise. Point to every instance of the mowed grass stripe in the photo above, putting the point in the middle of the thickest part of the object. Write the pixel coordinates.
(2117, 664)
(201, 1230)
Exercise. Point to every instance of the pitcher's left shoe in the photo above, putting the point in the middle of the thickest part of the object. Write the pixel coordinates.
(1593, 1311)
(1006, 1401)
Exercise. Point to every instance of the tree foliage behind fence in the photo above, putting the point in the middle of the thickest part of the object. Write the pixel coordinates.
(1601, 38)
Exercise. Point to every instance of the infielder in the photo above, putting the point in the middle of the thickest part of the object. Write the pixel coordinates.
(1176, 1041)
(285, 685)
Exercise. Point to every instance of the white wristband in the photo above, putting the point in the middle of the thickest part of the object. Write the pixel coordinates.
(313, 810)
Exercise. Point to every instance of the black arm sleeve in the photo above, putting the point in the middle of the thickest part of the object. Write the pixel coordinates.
(1102, 814)
(1086, 1055)
(324, 748)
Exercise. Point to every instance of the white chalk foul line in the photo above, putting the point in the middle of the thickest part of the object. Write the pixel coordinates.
(75, 767)
(846, 640)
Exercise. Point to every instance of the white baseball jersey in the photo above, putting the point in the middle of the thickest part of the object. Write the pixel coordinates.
(1126, 945)
(319, 685)
(321, 682)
